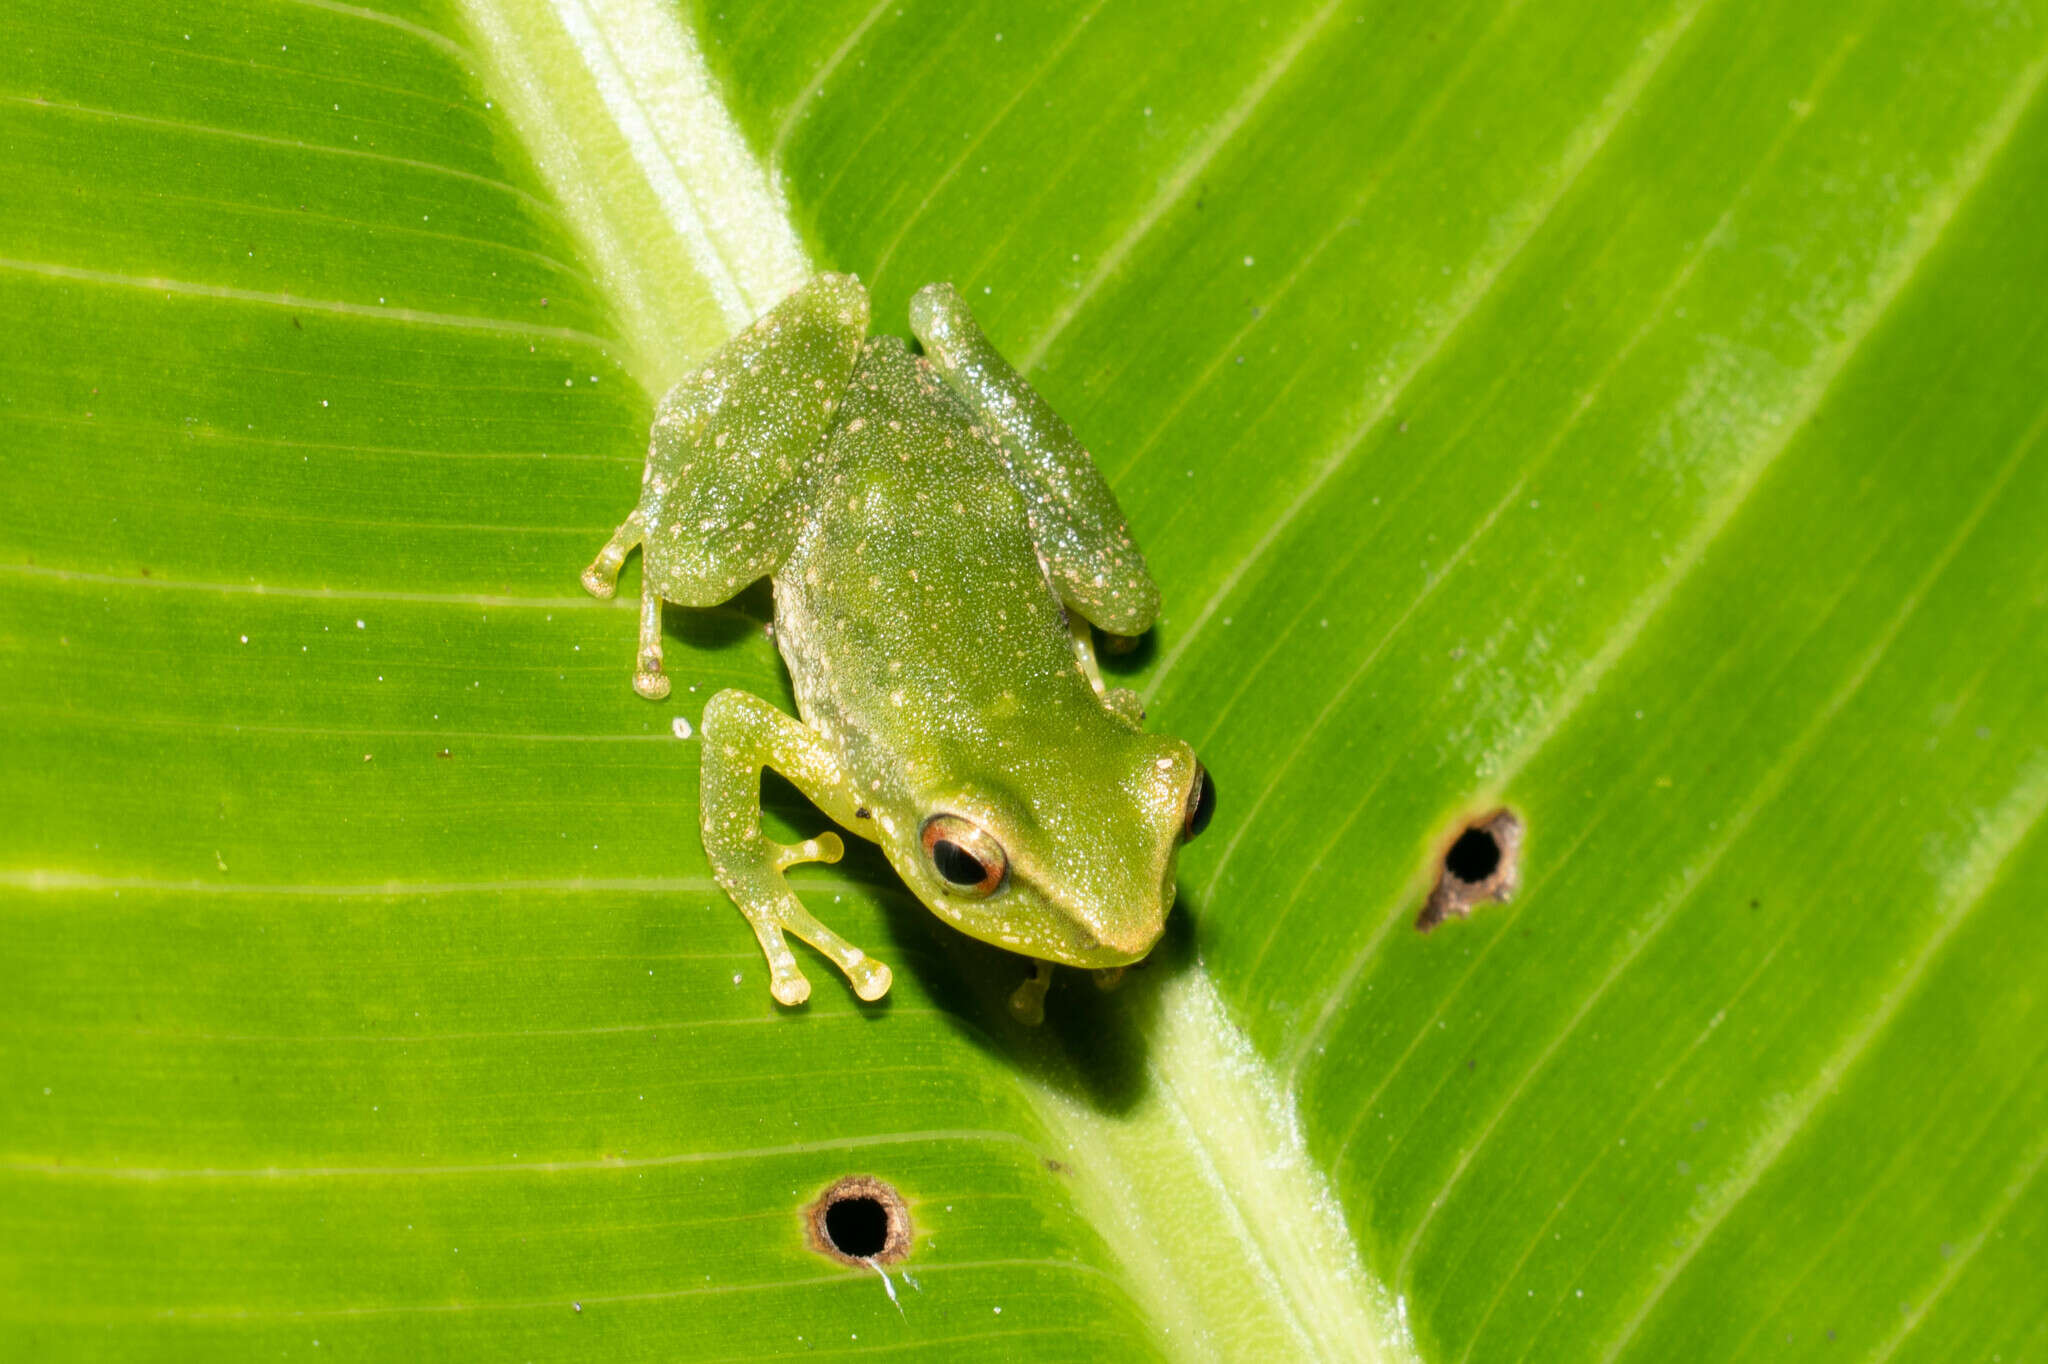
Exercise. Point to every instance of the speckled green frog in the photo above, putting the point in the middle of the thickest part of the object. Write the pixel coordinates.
(939, 543)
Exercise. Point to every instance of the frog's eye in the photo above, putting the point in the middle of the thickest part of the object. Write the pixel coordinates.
(1201, 803)
(964, 855)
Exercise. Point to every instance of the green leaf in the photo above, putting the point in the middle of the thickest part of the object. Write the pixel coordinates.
(1630, 418)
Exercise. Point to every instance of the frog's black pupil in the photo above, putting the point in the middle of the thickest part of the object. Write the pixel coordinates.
(956, 864)
(1202, 806)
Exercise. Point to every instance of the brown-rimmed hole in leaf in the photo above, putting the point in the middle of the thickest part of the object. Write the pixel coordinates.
(1481, 862)
(860, 1220)
(1474, 857)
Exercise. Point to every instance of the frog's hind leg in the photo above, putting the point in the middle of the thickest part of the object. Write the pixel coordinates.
(742, 735)
(601, 580)
(734, 459)
(1095, 566)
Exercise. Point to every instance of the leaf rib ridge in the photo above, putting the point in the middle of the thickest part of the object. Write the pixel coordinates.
(66, 1170)
(526, 199)
(1767, 791)
(2018, 814)
(785, 128)
(2021, 811)
(1586, 681)
(1588, 143)
(1177, 183)
(338, 307)
(911, 219)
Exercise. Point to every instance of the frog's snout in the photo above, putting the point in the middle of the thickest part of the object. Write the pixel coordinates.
(1130, 940)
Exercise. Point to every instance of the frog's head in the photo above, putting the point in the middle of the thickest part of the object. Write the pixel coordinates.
(1068, 856)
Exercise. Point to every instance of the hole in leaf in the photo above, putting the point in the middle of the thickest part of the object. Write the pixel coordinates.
(860, 1219)
(857, 1226)
(1483, 862)
(1474, 856)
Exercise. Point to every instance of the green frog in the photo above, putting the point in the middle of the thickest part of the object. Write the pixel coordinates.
(939, 544)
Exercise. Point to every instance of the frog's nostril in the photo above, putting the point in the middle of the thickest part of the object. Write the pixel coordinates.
(1482, 863)
(860, 1220)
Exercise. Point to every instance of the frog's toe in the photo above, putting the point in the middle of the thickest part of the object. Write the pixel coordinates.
(1027, 1001)
(826, 847)
(1027, 1005)
(788, 985)
(652, 685)
(597, 584)
(871, 979)
(1125, 704)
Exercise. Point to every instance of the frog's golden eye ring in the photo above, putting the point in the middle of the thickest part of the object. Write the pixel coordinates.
(965, 856)
(1201, 804)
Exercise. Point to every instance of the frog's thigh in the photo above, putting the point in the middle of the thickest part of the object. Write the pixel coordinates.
(1079, 527)
(735, 445)
(742, 735)
(733, 451)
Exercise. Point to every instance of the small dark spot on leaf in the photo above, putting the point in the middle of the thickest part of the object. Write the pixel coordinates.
(858, 1220)
(295, 325)
(1483, 862)
(1756, 904)
(145, 572)
(444, 753)
(862, 813)
(1057, 1167)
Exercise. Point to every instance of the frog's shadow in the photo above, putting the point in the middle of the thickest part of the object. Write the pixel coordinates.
(716, 628)
(1093, 1045)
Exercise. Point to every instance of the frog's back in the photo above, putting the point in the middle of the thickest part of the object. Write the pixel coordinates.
(916, 595)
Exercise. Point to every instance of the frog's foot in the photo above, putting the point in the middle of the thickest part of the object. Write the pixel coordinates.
(773, 909)
(1126, 705)
(742, 735)
(1027, 1001)
(601, 579)
(648, 679)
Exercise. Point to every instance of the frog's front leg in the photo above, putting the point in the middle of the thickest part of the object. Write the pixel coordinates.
(742, 735)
